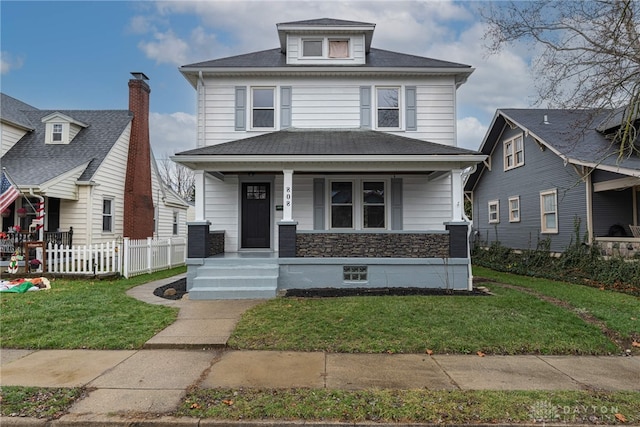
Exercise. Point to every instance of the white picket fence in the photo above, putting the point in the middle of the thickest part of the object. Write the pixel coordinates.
(128, 258)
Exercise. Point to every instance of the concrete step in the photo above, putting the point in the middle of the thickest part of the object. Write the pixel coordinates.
(236, 279)
(234, 292)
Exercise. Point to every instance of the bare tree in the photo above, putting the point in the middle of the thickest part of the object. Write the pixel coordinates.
(179, 178)
(588, 54)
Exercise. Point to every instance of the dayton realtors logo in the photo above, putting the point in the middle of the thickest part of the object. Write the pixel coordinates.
(544, 411)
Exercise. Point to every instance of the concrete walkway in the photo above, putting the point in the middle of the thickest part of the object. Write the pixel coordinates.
(127, 384)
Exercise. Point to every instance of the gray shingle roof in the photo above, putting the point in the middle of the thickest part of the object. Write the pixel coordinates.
(301, 142)
(32, 162)
(572, 133)
(326, 22)
(376, 58)
(12, 109)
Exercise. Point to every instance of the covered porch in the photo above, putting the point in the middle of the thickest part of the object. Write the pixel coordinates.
(332, 208)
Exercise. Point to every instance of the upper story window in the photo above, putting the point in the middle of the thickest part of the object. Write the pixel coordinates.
(312, 48)
(388, 107)
(56, 132)
(263, 108)
(513, 152)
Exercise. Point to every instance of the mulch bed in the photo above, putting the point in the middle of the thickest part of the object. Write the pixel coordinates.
(180, 288)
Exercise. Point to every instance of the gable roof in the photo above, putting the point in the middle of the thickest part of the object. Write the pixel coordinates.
(11, 111)
(571, 134)
(32, 162)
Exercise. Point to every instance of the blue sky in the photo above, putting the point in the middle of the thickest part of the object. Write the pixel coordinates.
(78, 54)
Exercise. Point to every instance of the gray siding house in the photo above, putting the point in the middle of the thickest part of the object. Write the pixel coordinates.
(548, 169)
(325, 162)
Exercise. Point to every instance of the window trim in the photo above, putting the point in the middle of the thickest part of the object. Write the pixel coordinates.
(496, 204)
(543, 224)
(59, 133)
(513, 152)
(313, 39)
(378, 108)
(273, 108)
(109, 215)
(512, 217)
(344, 40)
(357, 203)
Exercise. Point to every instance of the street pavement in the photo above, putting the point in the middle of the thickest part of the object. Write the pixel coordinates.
(135, 387)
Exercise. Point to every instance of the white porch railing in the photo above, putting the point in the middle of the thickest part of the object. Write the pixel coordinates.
(128, 258)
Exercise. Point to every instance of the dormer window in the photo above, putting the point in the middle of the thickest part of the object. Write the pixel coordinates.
(312, 48)
(60, 128)
(325, 48)
(56, 133)
(338, 48)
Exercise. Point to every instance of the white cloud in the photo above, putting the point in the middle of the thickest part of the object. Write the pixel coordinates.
(470, 133)
(444, 30)
(9, 62)
(166, 48)
(171, 133)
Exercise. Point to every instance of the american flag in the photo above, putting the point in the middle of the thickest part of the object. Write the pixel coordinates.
(9, 192)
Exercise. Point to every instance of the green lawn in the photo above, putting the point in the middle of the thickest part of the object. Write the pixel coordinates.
(510, 322)
(620, 312)
(98, 314)
(91, 314)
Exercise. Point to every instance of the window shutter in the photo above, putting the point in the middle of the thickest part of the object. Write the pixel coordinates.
(285, 107)
(410, 114)
(241, 108)
(365, 106)
(396, 203)
(318, 203)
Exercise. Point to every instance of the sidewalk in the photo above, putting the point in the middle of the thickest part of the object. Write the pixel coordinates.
(191, 352)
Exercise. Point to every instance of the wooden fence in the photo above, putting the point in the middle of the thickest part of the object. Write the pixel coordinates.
(128, 258)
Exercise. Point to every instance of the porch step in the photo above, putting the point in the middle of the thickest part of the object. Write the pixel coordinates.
(236, 279)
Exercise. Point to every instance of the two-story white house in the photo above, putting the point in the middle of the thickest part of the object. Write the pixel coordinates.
(326, 163)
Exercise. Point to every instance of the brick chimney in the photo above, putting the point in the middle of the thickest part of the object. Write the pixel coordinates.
(138, 196)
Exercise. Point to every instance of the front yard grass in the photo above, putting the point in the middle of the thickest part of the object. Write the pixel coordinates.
(83, 314)
(509, 322)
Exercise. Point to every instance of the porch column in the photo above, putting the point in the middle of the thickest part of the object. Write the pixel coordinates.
(287, 196)
(199, 187)
(457, 199)
(287, 227)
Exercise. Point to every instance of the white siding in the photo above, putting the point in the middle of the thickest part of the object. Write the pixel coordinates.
(221, 200)
(164, 210)
(111, 177)
(73, 213)
(328, 104)
(303, 201)
(9, 135)
(427, 204)
(73, 131)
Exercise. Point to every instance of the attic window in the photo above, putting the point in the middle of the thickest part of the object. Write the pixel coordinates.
(338, 48)
(56, 133)
(312, 48)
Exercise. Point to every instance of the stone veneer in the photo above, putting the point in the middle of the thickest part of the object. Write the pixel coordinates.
(216, 243)
(372, 245)
(620, 247)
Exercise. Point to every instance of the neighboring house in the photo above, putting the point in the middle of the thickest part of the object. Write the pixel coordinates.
(326, 163)
(93, 170)
(548, 169)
